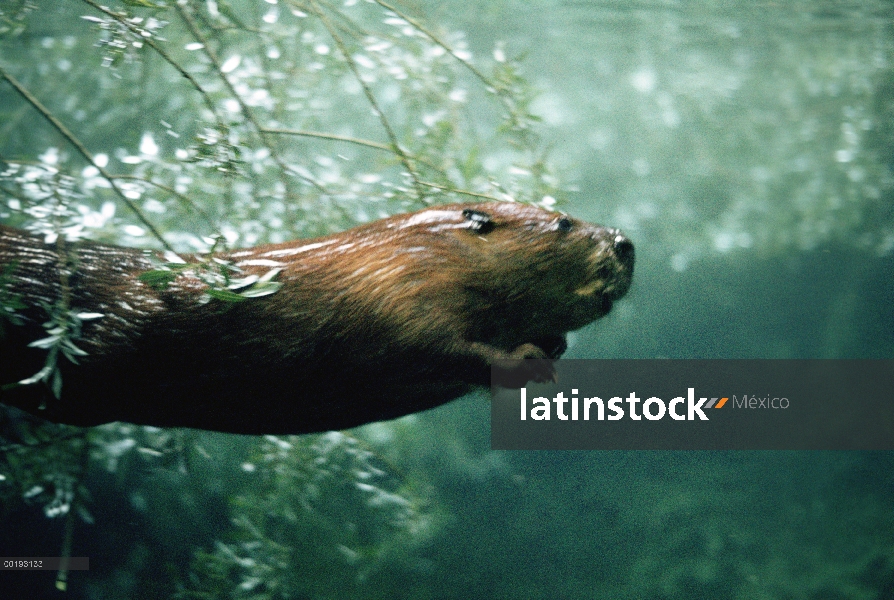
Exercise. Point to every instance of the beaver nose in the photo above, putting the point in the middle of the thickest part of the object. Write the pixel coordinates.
(623, 249)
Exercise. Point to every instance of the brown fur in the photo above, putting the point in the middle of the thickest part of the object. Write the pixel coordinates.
(385, 319)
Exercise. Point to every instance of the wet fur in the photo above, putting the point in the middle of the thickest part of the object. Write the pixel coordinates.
(382, 320)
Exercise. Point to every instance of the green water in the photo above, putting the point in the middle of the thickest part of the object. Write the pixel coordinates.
(747, 148)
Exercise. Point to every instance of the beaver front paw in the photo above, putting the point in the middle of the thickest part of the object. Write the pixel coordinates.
(527, 362)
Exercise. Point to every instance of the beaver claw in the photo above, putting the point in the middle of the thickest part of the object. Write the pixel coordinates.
(525, 363)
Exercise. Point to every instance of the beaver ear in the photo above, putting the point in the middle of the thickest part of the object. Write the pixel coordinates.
(479, 222)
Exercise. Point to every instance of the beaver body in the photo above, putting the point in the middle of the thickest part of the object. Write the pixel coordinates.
(386, 319)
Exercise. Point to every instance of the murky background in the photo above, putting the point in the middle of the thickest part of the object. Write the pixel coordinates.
(748, 150)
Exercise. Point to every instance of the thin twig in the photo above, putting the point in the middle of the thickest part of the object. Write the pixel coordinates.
(350, 140)
(329, 136)
(446, 188)
(73, 508)
(68, 135)
(370, 97)
(184, 199)
(501, 93)
(167, 58)
(419, 27)
(243, 107)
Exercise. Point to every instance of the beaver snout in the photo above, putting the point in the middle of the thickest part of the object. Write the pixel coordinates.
(624, 254)
(624, 251)
(610, 270)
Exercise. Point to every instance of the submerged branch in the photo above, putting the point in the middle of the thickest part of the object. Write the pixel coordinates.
(70, 137)
(161, 52)
(243, 107)
(370, 97)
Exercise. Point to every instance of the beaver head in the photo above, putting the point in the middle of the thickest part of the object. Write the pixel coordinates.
(499, 273)
(529, 273)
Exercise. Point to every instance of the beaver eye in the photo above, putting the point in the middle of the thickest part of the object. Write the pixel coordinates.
(564, 224)
(479, 222)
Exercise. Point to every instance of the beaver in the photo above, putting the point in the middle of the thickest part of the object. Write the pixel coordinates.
(379, 321)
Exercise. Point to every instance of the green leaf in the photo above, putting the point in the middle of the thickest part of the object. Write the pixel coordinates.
(269, 275)
(70, 350)
(261, 289)
(47, 342)
(225, 295)
(158, 279)
(39, 376)
(142, 3)
(242, 282)
(86, 316)
(57, 384)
